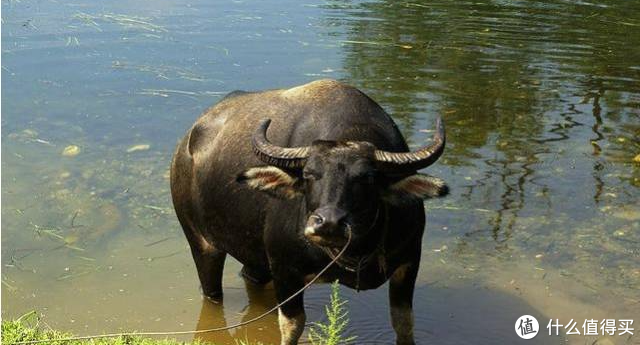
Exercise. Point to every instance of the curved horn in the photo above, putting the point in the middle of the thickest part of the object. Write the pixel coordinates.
(283, 157)
(411, 161)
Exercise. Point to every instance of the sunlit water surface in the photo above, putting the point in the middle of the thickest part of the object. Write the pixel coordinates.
(541, 101)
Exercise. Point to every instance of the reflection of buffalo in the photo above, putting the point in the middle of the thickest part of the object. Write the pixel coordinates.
(337, 164)
(214, 314)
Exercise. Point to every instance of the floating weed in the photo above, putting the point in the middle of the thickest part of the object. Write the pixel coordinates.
(76, 248)
(378, 43)
(410, 4)
(134, 22)
(151, 36)
(138, 147)
(48, 231)
(456, 208)
(162, 71)
(127, 21)
(72, 40)
(166, 92)
(54, 233)
(15, 262)
(7, 285)
(88, 19)
(85, 258)
(42, 141)
(162, 210)
(81, 271)
(191, 94)
(223, 49)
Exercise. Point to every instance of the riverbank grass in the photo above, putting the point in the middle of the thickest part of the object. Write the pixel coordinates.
(28, 328)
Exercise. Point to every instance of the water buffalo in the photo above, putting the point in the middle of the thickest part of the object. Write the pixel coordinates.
(278, 178)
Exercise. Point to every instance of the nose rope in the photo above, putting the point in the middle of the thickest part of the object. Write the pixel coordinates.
(375, 219)
(201, 331)
(363, 261)
(366, 259)
(358, 275)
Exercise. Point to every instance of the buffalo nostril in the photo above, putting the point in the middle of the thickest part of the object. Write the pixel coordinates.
(328, 218)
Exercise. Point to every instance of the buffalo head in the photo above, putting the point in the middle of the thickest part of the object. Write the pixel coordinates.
(344, 184)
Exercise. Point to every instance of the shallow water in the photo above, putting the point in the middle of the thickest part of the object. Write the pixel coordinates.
(541, 101)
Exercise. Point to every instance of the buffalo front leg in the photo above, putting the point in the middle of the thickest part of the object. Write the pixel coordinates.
(291, 316)
(401, 288)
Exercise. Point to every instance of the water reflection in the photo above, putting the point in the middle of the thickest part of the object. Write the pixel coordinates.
(541, 101)
(259, 300)
(541, 105)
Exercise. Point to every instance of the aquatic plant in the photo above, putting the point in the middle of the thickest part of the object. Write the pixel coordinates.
(332, 332)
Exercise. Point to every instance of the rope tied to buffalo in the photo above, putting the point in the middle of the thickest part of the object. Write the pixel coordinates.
(201, 331)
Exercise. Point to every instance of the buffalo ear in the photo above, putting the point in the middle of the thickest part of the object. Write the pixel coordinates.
(418, 186)
(275, 182)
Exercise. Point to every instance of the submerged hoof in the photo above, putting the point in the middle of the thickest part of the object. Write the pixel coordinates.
(213, 296)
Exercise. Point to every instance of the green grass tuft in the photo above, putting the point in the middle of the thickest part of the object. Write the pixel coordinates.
(28, 327)
(332, 332)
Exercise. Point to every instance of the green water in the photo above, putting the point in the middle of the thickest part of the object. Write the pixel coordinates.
(542, 105)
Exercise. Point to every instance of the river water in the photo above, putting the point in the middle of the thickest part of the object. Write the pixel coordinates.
(542, 105)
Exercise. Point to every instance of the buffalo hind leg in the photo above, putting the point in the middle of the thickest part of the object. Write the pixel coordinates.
(210, 265)
(210, 268)
(401, 288)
